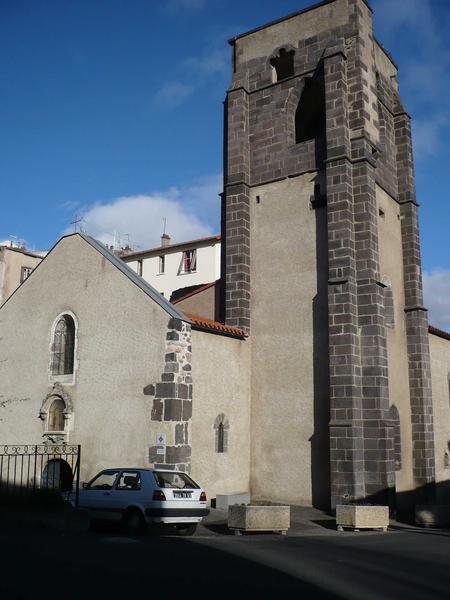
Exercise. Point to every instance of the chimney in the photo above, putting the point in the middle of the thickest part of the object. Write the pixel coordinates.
(165, 240)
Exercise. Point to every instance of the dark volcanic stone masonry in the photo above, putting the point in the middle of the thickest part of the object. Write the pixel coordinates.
(366, 142)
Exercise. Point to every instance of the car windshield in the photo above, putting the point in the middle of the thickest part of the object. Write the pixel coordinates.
(179, 481)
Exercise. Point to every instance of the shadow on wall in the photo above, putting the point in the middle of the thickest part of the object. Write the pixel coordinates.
(320, 444)
(310, 119)
(18, 497)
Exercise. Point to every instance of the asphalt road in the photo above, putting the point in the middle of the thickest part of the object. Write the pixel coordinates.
(107, 563)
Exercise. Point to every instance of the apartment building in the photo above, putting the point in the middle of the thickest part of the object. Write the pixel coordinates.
(170, 267)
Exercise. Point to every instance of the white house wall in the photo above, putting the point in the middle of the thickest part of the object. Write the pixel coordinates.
(207, 269)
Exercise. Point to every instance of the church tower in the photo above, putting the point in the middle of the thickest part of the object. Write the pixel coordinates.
(321, 261)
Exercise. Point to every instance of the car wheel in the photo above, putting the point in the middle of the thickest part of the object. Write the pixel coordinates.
(186, 528)
(134, 521)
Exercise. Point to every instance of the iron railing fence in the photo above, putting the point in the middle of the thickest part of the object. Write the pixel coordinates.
(42, 466)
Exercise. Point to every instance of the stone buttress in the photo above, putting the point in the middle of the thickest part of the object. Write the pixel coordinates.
(365, 146)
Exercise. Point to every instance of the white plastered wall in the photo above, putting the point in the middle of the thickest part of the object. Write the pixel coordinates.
(120, 350)
(289, 400)
(221, 376)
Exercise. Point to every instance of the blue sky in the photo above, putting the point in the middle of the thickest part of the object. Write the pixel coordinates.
(113, 109)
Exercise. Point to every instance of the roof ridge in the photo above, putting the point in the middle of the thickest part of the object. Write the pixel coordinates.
(202, 288)
(439, 332)
(170, 246)
(133, 276)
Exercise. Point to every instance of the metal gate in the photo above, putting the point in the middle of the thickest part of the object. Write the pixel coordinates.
(46, 466)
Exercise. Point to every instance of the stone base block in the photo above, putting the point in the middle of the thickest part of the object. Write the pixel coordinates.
(223, 501)
(362, 517)
(437, 515)
(259, 518)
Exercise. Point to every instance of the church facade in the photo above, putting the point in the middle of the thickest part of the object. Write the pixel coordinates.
(322, 382)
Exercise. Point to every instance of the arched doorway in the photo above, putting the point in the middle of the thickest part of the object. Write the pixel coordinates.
(57, 475)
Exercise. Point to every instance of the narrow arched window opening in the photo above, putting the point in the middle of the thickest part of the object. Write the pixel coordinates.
(310, 114)
(283, 64)
(221, 427)
(63, 346)
(220, 438)
(56, 415)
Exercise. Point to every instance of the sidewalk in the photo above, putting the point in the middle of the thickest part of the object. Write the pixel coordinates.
(305, 520)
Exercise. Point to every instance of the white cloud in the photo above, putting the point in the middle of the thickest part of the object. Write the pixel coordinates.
(391, 15)
(172, 94)
(210, 69)
(436, 286)
(216, 59)
(427, 135)
(184, 5)
(190, 212)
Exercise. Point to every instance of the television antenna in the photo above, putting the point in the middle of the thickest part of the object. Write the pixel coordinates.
(77, 219)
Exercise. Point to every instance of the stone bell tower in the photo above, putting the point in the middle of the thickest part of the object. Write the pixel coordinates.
(320, 242)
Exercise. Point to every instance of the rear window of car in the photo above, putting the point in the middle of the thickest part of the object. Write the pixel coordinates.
(176, 480)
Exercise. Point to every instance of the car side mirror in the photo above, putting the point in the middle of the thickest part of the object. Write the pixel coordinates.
(84, 485)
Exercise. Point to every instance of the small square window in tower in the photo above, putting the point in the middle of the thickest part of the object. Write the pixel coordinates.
(188, 261)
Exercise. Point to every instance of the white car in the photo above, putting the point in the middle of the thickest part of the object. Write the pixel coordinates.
(142, 496)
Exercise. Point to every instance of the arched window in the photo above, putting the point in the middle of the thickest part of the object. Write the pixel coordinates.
(310, 114)
(221, 427)
(283, 64)
(56, 415)
(220, 438)
(63, 346)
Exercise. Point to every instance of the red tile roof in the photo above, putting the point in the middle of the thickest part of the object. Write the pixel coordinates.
(202, 288)
(439, 332)
(214, 326)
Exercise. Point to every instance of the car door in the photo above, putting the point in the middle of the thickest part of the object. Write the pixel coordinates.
(127, 490)
(97, 496)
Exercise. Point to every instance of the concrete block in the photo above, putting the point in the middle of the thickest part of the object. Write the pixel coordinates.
(362, 517)
(259, 518)
(223, 501)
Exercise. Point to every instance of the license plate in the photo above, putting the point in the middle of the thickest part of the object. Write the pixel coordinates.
(182, 494)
